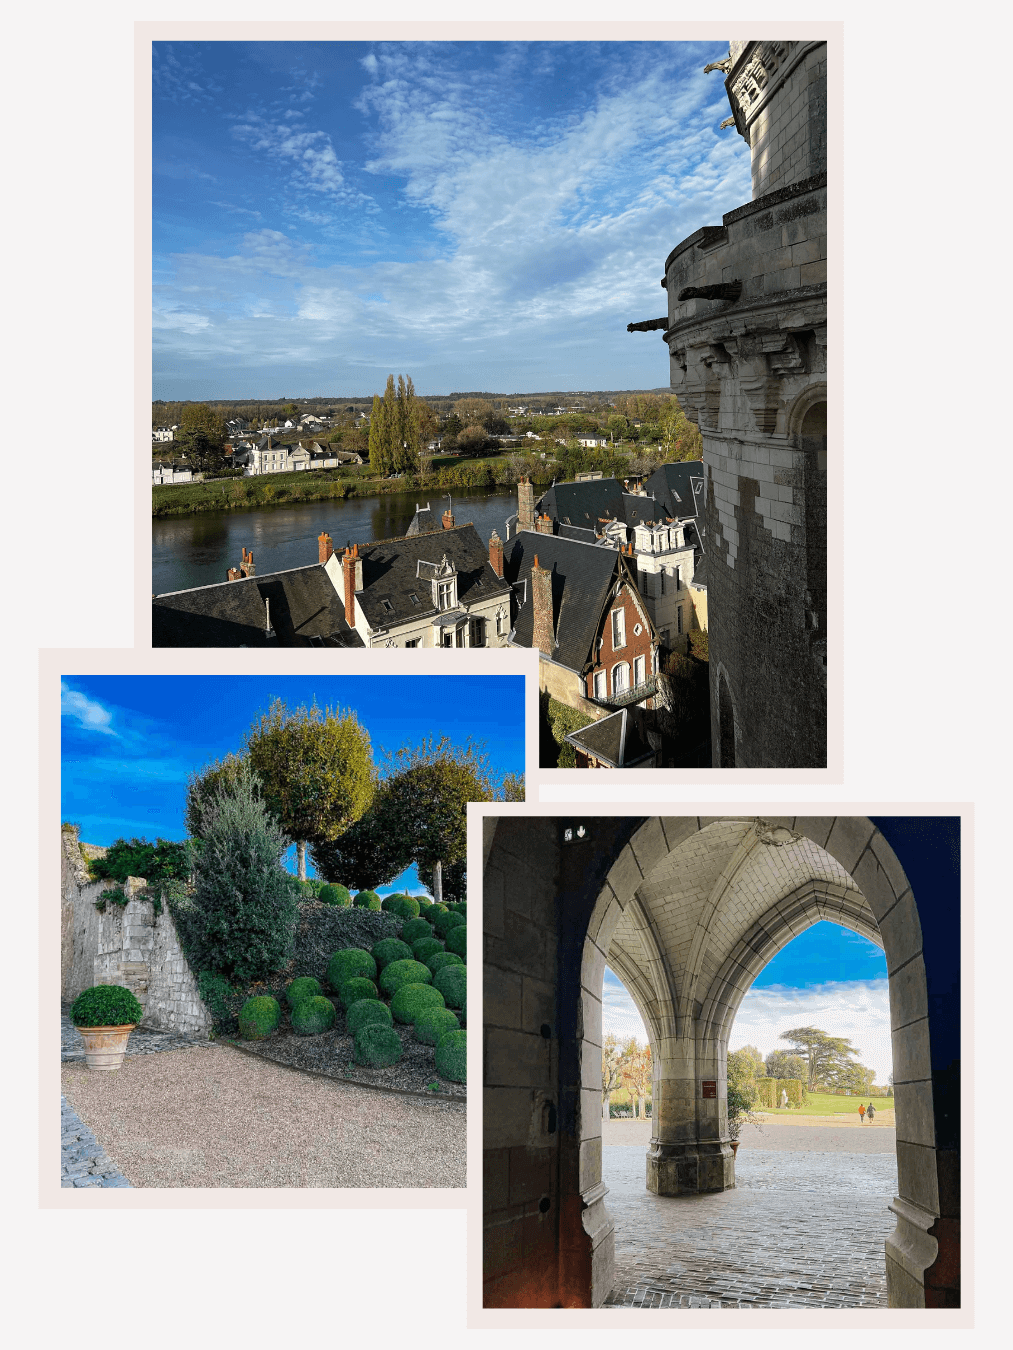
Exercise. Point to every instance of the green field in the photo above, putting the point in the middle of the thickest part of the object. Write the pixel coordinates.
(823, 1104)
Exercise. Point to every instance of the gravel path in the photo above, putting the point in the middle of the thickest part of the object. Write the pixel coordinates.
(211, 1116)
(790, 1137)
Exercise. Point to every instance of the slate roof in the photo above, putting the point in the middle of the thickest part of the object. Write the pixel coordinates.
(423, 521)
(582, 577)
(583, 504)
(672, 485)
(306, 611)
(390, 572)
(577, 532)
(616, 739)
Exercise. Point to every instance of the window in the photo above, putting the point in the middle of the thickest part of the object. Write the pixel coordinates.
(447, 637)
(445, 600)
(677, 572)
(411, 642)
(638, 672)
(620, 677)
(413, 597)
(388, 608)
(599, 684)
(618, 629)
(678, 619)
(662, 581)
(477, 637)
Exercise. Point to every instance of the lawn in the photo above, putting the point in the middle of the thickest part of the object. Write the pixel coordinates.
(824, 1104)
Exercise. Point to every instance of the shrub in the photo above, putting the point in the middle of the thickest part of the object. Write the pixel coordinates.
(259, 1017)
(390, 949)
(405, 907)
(335, 895)
(116, 896)
(414, 930)
(312, 1016)
(452, 1056)
(365, 1011)
(106, 1005)
(377, 1045)
(440, 959)
(432, 1023)
(457, 941)
(411, 999)
(304, 987)
(220, 999)
(452, 982)
(161, 861)
(443, 923)
(368, 900)
(430, 914)
(404, 972)
(426, 947)
(304, 890)
(353, 990)
(347, 964)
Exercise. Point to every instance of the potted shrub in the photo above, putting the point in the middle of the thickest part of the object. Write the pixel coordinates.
(739, 1114)
(105, 1015)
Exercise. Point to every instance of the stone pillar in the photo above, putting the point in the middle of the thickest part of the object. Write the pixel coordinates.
(543, 633)
(525, 505)
(689, 1152)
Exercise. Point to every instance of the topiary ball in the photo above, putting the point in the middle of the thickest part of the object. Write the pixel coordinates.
(414, 930)
(426, 947)
(304, 987)
(430, 914)
(440, 959)
(411, 999)
(259, 1017)
(463, 1015)
(432, 1023)
(377, 1045)
(107, 1005)
(368, 900)
(390, 949)
(452, 1056)
(457, 941)
(404, 972)
(352, 990)
(313, 1016)
(443, 923)
(452, 982)
(405, 907)
(349, 963)
(335, 895)
(365, 1011)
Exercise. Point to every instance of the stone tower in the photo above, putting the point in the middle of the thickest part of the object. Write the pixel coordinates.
(747, 337)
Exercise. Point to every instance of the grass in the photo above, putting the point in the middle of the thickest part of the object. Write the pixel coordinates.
(824, 1104)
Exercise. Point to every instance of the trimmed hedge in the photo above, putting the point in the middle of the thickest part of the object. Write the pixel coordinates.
(457, 941)
(426, 947)
(444, 922)
(353, 990)
(368, 900)
(399, 973)
(452, 1056)
(365, 1011)
(259, 1018)
(390, 949)
(348, 964)
(440, 959)
(412, 999)
(414, 930)
(335, 895)
(313, 1016)
(433, 1023)
(452, 982)
(376, 1045)
(304, 987)
(107, 1005)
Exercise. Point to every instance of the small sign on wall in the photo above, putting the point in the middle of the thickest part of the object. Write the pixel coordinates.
(710, 1087)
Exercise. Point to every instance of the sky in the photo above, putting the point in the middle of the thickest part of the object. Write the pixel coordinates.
(480, 216)
(827, 977)
(130, 742)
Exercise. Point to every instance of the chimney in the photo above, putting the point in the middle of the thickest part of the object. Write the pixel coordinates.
(246, 567)
(496, 553)
(525, 504)
(541, 600)
(543, 524)
(448, 519)
(351, 565)
(233, 574)
(325, 545)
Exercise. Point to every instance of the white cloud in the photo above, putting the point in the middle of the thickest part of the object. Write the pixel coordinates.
(89, 714)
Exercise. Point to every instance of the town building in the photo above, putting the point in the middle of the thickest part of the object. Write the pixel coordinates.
(167, 471)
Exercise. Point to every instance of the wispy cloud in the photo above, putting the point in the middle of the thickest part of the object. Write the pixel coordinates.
(86, 713)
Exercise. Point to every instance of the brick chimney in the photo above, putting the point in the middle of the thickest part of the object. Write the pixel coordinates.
(448, 519)
(326, 547)
(233, 574)
(496, 553)
(541, 601)
(525, 504)
(543, 524)
(351, 566)
(246, 567)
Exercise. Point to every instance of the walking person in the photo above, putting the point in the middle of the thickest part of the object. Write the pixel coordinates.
(861, 1113)
(871, 1113)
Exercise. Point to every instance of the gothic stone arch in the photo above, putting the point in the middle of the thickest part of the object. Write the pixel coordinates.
(687, 910)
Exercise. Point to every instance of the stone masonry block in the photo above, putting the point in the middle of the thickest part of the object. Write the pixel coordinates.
(592, 968)
(912, 1061)
(908, 994)
(507, 1116)
(887, 859)
(649, 845)
(530, 1173)
(901, 931)
(915, 1118)
(848, 840)
(604, 919)
(501, 997)
(516, 1059)
(625, 875)
(916, 1175)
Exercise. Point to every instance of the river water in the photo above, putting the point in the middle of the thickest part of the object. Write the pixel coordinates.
(198, 550)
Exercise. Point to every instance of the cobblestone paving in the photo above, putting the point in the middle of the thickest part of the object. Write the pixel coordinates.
(83, 1161)
(140, 1043)
(799, 1230)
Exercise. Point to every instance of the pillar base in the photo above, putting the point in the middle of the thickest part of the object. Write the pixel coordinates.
(690, 1168)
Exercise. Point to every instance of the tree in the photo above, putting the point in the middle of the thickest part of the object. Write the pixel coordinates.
(203, 789)
(380, 447)
(636, 1073)
(475, 410)
(406, 427)
(743, 1068)
(201, 438)
(611, 1070)
(471, 438)
(783, 1064)
(239, 921)
(825, 1056)
(316, 770)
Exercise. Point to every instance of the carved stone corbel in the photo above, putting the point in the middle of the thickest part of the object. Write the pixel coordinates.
(696, 378)
(760, 387)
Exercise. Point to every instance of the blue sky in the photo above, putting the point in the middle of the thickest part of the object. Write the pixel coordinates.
(828, 977)
(478, 215)
(129, 742)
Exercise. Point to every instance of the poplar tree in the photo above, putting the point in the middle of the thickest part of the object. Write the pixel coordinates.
(379, 447)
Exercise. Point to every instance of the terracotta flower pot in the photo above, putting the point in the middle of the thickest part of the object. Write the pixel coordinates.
(735, 1146)
(104, 1047)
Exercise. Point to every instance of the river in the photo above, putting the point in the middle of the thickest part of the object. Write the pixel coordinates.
(197, 550)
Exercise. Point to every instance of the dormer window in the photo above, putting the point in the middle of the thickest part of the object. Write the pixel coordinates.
(387, 606)
(413, 597)
(445, 594)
